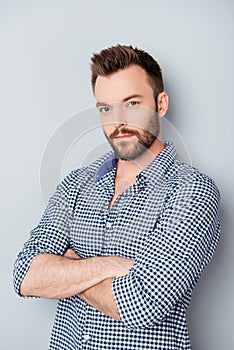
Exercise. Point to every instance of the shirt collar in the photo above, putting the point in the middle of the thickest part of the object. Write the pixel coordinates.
(156, 170)
(153, 173)
(108, 165)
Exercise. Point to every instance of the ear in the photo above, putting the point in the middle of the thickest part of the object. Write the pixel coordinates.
(163, 102)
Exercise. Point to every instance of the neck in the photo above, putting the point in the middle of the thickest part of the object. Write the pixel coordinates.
(130, 169)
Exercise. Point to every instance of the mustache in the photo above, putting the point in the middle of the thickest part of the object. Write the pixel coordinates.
(117, 132)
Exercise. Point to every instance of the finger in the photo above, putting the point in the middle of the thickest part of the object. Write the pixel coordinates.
(71, 254)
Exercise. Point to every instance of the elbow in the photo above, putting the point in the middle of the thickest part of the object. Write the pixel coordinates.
(29, 288)
(140, 324)
(25, 280)
(140, 309)
(143, 318)
(19, 279)
(25, 289)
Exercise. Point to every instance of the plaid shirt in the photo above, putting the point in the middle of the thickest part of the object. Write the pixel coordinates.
(167, 221)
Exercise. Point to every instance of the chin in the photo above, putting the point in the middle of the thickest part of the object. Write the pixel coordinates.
(130, 155)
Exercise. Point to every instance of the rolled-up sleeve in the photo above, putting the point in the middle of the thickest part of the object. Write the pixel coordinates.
(175, 253)
(50, 236)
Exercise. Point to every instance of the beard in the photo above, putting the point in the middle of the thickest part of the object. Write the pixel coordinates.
(131, 150)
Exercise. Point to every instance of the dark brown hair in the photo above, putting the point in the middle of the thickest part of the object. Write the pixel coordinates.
(118, 57)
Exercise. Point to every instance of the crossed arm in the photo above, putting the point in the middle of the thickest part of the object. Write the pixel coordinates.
(53, 276)
(192, 212)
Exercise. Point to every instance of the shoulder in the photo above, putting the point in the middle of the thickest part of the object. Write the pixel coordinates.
(83, 176)
(189, 180)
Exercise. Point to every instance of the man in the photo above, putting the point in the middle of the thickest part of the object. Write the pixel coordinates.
(123, 242)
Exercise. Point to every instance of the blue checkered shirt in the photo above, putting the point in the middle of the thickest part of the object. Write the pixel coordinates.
(167, 221)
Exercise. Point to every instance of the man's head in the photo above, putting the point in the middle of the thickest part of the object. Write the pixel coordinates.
(116, 58)
(128, 86)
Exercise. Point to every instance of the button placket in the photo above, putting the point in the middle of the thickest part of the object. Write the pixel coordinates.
(108, 224)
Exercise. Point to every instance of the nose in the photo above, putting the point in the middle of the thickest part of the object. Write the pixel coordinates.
(119, 115)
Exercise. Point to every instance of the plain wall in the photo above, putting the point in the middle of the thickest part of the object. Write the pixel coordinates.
(44, 79)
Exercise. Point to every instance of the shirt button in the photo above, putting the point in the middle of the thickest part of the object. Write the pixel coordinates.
(86, 337)
(108, 225)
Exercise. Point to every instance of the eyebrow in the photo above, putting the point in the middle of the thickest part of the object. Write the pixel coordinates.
(123, 100)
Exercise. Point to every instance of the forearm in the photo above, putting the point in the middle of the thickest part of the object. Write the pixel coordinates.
(53, 276)
(101, 298)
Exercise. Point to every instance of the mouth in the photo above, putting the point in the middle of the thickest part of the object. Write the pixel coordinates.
(126, 136)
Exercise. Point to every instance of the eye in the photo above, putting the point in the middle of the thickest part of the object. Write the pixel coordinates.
(104, 109)
(132, 103)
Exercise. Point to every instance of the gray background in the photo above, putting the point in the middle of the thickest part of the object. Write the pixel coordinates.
(44, 79)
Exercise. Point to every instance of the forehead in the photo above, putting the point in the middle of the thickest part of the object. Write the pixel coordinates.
(128, 81)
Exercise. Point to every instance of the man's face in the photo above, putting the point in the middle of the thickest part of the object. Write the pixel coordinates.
(126, 105)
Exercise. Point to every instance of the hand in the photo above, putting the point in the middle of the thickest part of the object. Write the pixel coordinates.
(120, 266)
(71, 254)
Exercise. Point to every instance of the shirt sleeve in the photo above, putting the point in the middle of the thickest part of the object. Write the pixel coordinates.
(50, 236)
(175, 253)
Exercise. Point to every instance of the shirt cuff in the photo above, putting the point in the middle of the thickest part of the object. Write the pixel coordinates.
(134, 312)
(21, 267)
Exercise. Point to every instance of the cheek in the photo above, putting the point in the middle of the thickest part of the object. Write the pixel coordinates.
(107, 129)
(139, 117)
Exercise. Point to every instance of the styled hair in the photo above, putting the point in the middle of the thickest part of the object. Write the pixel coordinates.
(118, 57)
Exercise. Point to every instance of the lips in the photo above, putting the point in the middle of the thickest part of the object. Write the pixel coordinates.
(123, 136)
